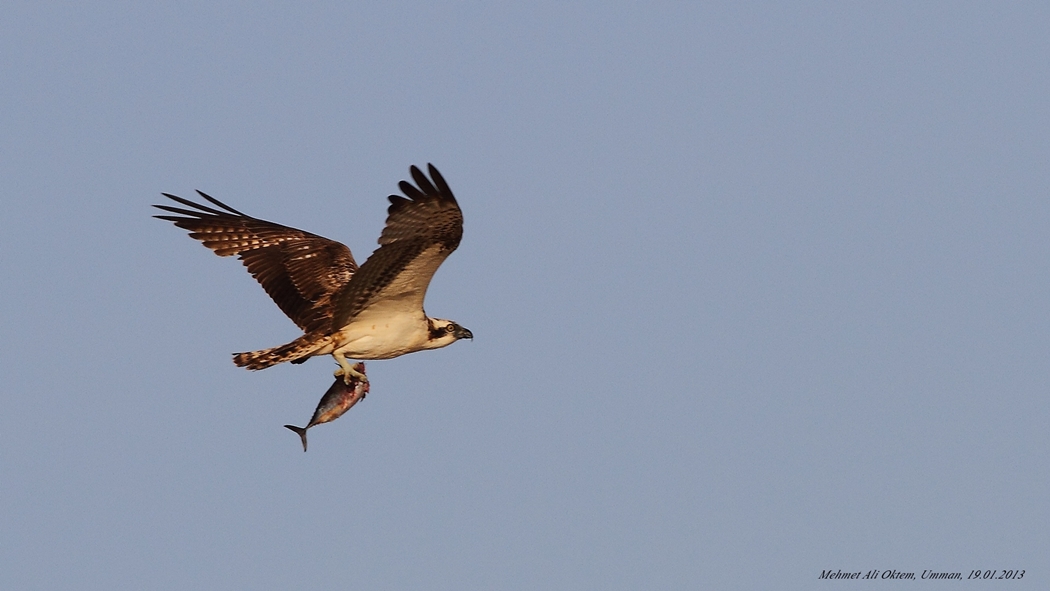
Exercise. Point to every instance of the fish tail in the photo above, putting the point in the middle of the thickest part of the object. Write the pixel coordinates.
(301, 431)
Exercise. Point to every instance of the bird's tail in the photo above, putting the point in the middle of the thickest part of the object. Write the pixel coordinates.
(295, 351)
(301, 431)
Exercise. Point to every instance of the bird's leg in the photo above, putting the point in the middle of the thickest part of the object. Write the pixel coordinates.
(347, 371)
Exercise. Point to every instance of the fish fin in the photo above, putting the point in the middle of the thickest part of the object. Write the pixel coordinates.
(301, 431)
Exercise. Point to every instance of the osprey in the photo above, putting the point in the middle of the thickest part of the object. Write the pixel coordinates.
(374, 311)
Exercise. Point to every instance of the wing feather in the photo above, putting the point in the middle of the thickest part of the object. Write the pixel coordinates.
(422, 229)
(300, 271)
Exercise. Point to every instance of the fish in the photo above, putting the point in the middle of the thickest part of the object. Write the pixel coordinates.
(339, 398)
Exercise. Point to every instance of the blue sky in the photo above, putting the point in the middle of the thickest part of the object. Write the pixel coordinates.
(757, 290)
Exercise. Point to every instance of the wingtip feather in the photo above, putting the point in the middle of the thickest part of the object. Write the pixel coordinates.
(411, 191)
(215, 201)
(422, 181)
(189, 203)
(440, 182)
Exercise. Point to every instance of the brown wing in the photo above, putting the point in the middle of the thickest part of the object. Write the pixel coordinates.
(299, 270)
(422, 229)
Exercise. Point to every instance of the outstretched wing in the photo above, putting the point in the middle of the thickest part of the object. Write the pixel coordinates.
(422, 229)
(299, 270)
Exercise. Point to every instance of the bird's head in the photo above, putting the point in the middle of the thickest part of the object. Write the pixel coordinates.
(446, 332)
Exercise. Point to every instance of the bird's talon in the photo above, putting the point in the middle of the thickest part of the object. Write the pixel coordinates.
(350, 374)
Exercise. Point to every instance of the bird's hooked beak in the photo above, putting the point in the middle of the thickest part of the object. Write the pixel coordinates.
(463, 333)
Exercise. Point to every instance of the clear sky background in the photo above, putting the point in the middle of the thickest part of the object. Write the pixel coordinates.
(757, 290)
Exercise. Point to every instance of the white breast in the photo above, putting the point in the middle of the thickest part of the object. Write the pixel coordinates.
(374, 335)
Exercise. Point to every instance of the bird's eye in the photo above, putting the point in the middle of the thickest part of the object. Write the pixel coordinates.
(450, 328)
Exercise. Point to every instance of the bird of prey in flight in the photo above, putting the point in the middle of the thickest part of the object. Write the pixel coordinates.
(374, 311)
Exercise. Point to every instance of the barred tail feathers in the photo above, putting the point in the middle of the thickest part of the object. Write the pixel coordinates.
(297, 350)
